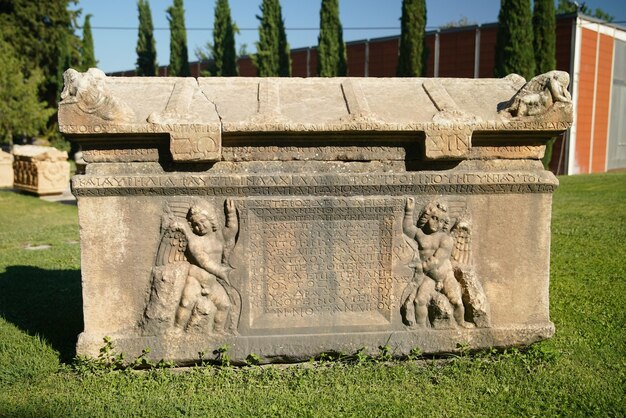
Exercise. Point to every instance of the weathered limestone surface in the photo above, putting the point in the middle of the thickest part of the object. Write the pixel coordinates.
(291, 217)
(41, 170)
(6, 169)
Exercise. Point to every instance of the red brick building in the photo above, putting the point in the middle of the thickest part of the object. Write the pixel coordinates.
(592, 51)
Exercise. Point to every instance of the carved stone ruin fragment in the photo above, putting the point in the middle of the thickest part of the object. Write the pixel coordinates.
(40, 170)
(290, 217)
(6, 169)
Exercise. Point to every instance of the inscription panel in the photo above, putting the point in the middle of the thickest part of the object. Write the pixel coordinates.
(510, 151)
(298, 184)
(316, 263)
(121, 154)
(322, 153)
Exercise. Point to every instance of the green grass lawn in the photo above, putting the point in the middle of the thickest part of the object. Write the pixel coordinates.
(579, 372)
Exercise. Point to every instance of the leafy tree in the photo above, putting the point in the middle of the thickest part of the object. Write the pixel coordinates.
(179, 60)
(273, 55)
(413, 21)
(224, 52)
(43, 33)
(88, 57)
(331, 51)
(22, 114)
(565, 6)
(146, 64)
(514, 41)
(461, 22)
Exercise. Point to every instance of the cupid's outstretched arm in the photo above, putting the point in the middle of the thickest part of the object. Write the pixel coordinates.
(232, 225)
(408, 223)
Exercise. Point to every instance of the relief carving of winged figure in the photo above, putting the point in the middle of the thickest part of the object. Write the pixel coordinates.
(191, 289)
(540, 94)
(441, 254)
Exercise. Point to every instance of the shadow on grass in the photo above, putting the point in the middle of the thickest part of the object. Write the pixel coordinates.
(47, 303)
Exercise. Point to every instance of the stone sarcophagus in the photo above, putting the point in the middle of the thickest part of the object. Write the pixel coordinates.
(286, 218)
(40, 170)
(6, 169)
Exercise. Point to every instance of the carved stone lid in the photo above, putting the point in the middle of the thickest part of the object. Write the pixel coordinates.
(196, 113)
(39, 153)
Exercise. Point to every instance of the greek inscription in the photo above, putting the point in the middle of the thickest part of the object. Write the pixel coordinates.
(337, 185)
(321, 257)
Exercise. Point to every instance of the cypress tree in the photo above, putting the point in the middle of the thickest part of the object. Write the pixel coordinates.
(224, 53)
(146, 64)
(544, 31)
(179, 60)
(514, 42)
(88, 58)
(284, 52)
(544, 42)
(412, 48)
(273, 56)
(331, 51)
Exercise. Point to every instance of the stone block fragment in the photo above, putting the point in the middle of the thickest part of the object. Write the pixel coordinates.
(40, 170)
(6, 169)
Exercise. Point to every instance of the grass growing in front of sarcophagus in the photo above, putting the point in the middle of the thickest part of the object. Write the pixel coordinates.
(581, 371)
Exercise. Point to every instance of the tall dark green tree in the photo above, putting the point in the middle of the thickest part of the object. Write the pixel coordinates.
(273, 56)
(331, 51)
(179, 59)
(514, 41)
(87, 53)
(544, 43)
(224, 52)
(412, 36)
(146, 64)
(544, 39)
(284, 52)
(43, 33)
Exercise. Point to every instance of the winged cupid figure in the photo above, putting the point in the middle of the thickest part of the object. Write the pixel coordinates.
(435, 247)
(191, 289)
(539, 94)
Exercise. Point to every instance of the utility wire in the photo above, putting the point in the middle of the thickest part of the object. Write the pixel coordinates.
(397, 28)
(243, 29)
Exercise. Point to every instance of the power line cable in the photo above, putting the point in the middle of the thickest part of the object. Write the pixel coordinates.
(243, 29)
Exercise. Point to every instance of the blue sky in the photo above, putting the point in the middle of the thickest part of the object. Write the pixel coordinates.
(115, 47)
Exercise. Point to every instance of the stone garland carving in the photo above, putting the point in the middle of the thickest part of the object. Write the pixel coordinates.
(90, 93)
(539, 95)
(191, 281)
(444, 292)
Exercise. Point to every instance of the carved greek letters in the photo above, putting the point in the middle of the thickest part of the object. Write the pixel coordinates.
(198, 148)
(445, 143)
(320, 259)
(335, 185)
